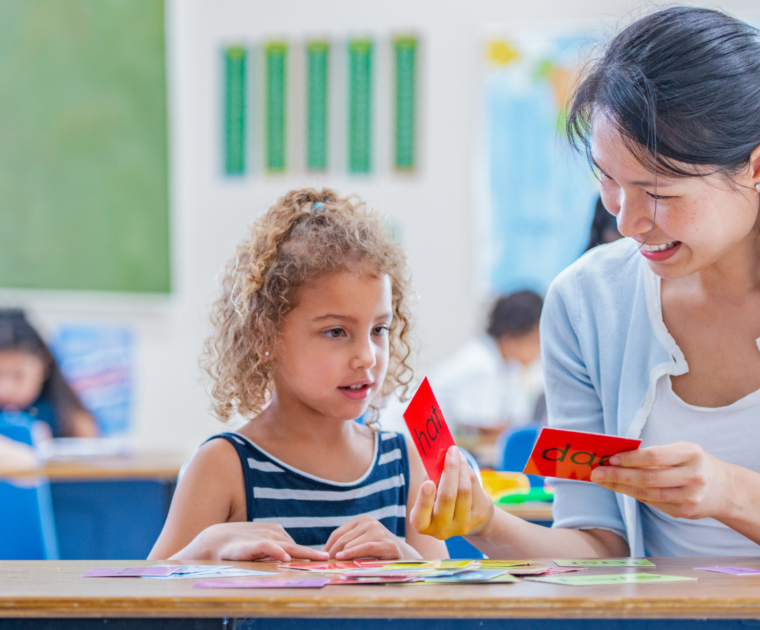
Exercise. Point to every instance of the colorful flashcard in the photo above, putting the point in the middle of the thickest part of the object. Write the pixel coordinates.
(361, 573)
(506, 578)
(620, 578)
(459, 564)
(132, 571)
(261, 584)
(528, 570)
(574, 454)
(224, 572)
(321, 567)
(502, 564)
(606, 562)
(378, 580)
(385, 563)
(429, 431)
(466, 577)
(730, 570)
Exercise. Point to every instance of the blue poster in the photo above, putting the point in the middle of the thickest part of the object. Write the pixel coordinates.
(537, 195)
(97, 362)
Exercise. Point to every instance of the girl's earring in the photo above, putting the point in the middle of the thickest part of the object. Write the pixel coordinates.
(757, 187)
(266, 354)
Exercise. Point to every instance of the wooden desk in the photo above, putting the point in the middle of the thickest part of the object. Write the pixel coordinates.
(140, 465)
(38, 590)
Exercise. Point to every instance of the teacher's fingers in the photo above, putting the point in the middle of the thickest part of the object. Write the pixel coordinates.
(653, 456)
(668, 477)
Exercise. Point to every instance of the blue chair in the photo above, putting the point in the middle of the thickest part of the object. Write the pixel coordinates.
(515, 446)
(27, 528)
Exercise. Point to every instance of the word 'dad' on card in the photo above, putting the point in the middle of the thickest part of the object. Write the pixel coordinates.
(430, 433)
(574, 454)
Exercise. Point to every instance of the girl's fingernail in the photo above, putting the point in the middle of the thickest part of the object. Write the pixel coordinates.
(427, 489)
(614, 460)
(597, 474)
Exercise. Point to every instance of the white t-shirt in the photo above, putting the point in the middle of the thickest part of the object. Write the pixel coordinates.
(732, 434)
(476, 387)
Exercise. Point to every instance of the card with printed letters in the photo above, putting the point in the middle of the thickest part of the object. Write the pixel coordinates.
(574, 454)
(606, 562)
(429, 431)
(620, 578)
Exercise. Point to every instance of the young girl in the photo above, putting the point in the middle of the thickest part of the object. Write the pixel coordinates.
(654, 336)
(312, 325)
(31, 381)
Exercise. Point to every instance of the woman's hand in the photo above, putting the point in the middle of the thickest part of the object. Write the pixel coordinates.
(246, 542)
(366, 537)
(679, 479)
(459, 507)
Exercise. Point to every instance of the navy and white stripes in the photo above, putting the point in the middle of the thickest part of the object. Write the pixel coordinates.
(310, 508)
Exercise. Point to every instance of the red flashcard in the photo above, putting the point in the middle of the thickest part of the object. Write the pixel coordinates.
(429, 432)
(574, 454)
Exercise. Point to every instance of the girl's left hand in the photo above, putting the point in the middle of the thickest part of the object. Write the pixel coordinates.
(679, 479)
(366, 537)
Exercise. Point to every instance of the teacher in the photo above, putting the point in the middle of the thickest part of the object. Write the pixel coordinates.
(655, 336)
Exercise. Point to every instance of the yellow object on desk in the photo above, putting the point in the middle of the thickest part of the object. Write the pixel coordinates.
(498, 481)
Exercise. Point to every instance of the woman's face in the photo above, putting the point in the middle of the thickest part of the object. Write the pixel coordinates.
(22, 376)
(698, 220)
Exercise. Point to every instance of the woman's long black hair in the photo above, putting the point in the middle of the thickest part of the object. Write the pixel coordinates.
(16, 333)
(682, 86)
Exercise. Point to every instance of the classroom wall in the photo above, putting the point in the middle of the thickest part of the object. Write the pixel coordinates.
(433, 208)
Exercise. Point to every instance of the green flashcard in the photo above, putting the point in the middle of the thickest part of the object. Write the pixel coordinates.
(405, 49)
(316, 108)
(596, 580)
(359, 105)
(276, 55)
(606, 562)
(234, 110)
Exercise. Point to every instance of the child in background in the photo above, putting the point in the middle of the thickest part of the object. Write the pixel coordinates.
(312, 324)
(32, 383)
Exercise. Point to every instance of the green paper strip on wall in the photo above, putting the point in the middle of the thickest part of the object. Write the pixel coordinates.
(359, 105)
(276, 105)
(316, 116)
(234, 110)
(405, 49)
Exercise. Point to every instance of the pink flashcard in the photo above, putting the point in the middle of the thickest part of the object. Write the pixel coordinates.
(160, 571)
(319, 566)
(730, 570)
(260, 584)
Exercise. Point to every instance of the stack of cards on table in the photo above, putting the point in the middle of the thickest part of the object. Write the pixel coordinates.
(176, 572)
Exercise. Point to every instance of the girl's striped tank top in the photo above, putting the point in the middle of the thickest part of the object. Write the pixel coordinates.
(310, 508)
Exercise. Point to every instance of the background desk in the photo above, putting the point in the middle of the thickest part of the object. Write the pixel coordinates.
(35, 591)
(111, 507)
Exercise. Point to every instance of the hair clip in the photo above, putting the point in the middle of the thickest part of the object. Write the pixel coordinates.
(318, 207)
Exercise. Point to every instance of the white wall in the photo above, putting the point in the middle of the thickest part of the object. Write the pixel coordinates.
(210, 213)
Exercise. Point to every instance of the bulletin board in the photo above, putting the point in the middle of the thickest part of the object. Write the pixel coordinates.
(83, 146)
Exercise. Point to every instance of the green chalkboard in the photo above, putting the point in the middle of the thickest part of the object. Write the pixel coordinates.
(83, 146)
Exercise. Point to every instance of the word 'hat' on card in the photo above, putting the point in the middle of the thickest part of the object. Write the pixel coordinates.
(430, 433)
(574, 454)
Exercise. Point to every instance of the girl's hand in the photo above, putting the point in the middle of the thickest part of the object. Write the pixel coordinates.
(460, 507)
(679, 479)
(366, 537)
(246, 542)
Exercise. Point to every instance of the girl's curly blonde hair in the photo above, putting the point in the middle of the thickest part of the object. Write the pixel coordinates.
(288, 247)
